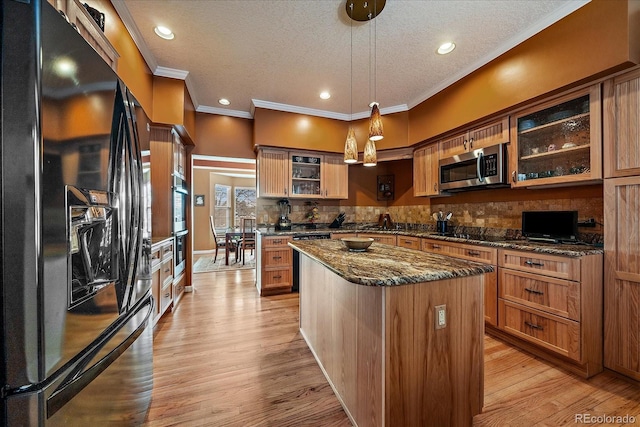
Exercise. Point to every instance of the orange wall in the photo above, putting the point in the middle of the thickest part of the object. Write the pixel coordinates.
(290, 130)
(132, 68)
(224, 136)
(594, 40)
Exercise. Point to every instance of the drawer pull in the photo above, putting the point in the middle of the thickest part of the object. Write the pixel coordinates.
(277, 277)
(534, 326)
(436, 246)
(277, 257)
(534, 291)
(167, 295)
(534, 264)
(167, 270)
(408, 242)
(277, 242)
(473, 253)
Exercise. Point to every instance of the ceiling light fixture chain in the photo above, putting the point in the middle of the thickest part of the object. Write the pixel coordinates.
(351, 144)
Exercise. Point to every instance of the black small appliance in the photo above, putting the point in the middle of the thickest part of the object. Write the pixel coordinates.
(553, 226)
(337, 222)
(284, 223)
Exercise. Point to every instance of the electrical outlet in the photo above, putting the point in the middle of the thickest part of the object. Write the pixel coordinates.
(441, 316)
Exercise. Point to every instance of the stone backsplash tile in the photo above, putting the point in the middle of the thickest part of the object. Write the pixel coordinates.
(501, 215)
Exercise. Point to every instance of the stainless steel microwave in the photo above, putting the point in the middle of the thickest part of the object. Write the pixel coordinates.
(484, 167)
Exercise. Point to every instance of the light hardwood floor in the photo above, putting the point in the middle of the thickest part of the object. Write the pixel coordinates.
(226, 357)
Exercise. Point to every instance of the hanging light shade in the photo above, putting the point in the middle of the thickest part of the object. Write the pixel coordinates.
(351, 147)
(375, 124)
(370, 157)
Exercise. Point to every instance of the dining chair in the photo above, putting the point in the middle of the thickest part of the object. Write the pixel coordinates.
(248, 239)
(219, 241)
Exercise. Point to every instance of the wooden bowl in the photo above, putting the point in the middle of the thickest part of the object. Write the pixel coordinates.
(357, 244)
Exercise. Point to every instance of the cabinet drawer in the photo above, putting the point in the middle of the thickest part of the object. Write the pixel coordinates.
(272, 279)
(555, 333)
(409, 242)
(275, 241)
(475, 253)
(549, 265)
(380, 238)
(155, 260)
(165, 297)
(167, 251)
(556, 296)
(276, 257)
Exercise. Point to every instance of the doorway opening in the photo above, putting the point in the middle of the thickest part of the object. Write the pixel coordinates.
(224, 201)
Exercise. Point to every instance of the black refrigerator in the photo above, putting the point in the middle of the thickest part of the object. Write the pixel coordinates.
(76, 307)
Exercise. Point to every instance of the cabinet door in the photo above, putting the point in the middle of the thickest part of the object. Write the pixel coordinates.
(179, 155)
(622, 125)
(454, 145)
(273, 173)
(335, 177)
(426, 171)
(305, 179)
(496, 132)
(622, 275)
(558, 141)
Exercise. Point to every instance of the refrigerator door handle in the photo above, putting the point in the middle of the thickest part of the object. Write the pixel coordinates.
(68, 389)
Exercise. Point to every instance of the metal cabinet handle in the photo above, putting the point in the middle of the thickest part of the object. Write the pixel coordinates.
(436, 246)
(167, 270)
(277, 242)
(464, 144)
(534, 291)
(277, 277)
(513, 176)
(473, 253)
(167, 295)
(277, 257)
(534, 264)
(408, 242)
(435, 187)
(285, 191)
(534, 326)
(471, 143)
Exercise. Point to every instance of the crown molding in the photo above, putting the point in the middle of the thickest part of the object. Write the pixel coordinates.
(223, 159)
(132, 28)
(224, 112)
(568, 8)
(322, 113)
(172, 73)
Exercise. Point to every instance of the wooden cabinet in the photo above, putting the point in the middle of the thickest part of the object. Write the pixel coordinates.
(301, 174)
(179, 284)
(559, 141)
(622, 125)
(491, 133)
(476, 253)
(272, 168)
(622, 275)
(408, 242)
(426, 171)
(306, 175)
(555, 303)
(162, 277)
(80, 19)
(179, 156)
(275, 265)
(335, 177)
(386, 239)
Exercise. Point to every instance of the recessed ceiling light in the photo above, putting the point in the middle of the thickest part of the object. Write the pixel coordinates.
(325, 95)
(164, 32)
(446, 48)
(223, 101)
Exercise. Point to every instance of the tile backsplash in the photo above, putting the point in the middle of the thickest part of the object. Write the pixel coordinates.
(506, 214)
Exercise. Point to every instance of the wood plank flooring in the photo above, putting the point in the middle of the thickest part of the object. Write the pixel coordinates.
(226, 357)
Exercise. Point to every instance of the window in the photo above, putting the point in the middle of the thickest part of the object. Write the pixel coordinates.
(222, 207)
(245, 206)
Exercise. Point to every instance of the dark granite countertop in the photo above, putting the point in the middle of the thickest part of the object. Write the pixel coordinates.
(385, 265)
(571, 250)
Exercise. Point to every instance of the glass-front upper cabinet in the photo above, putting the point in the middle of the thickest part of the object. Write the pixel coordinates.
(305, 175)
(558, 141)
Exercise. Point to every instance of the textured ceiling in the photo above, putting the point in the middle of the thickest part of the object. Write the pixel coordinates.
(282, 54)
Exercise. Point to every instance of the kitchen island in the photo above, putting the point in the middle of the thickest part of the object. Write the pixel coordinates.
(370, 319)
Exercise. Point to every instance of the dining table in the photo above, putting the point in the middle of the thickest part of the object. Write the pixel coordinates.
(231, 239)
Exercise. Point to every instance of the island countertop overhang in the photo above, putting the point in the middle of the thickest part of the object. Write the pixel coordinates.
(385, 265)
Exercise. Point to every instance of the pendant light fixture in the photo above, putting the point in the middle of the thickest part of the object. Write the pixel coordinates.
(375, 121)
(351, 144)
(363, 10)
